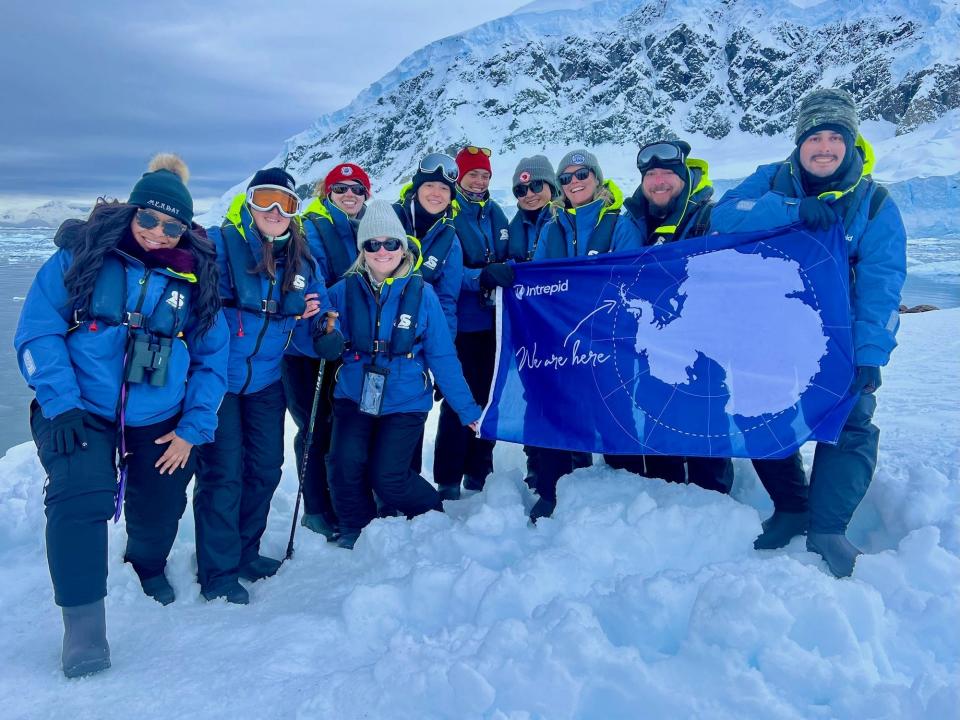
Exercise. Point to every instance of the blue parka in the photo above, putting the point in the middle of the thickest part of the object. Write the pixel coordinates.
(524, 233)
(448, 279)
(691, 204)
(577, 225)
(322, 216)
(482, 229)
(257, 340)
(876, 246)
(408, 386)
(80, 365)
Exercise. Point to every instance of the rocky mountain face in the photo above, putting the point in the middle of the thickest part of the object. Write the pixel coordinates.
(624, 72)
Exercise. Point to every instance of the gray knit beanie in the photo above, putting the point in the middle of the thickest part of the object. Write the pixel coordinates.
(826, 107)
(533, 168)
(380, 220)
(581, 157)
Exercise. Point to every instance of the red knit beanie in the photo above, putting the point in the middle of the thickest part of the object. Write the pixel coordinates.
(467, 161)
(345, 171)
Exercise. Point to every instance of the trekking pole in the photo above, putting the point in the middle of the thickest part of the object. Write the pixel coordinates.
(331, 318)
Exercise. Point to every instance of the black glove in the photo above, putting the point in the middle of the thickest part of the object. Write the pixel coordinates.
(867, 379)
(437, 394)
(329, 346)
(816, 214)
(496, 275)
(68, 432)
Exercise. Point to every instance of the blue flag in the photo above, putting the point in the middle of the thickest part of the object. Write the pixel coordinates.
(718, 346)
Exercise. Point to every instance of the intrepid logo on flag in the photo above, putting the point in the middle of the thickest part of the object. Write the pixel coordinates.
(719, 346)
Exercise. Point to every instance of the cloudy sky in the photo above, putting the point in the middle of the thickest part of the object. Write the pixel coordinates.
(92, 90)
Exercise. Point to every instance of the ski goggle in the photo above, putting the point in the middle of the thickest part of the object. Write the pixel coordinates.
(341, 188)
(580, 174)
(442, 162)
(265, 198)
(390, 245)
(475, 150)
(171, 228)
(521, 190)
(659, 151)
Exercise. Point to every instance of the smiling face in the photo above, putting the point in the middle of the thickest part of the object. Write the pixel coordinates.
(660, 186)
(535, 201)
(154, 238)
(579, 192)
(434, 197)
(383, 262)
(270, 223)
(822, 153)
(350, 203)
(476, 181)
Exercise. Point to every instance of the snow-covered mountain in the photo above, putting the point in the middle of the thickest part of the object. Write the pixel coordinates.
(48, 215)
(609, 75)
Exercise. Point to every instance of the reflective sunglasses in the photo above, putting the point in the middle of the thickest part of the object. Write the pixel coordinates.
(475, 150)
(171, 228)
(580, 174)
(442, 162)
(266, 197)
(390, 244)
(341, 188)
(664, 152)
(520, 190)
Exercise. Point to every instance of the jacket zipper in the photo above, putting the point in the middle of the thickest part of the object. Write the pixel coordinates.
(256, 347)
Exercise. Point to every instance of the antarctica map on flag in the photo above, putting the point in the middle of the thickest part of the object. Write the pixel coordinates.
(725, 345)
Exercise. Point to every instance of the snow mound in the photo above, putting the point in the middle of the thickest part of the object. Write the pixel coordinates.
(637, 599)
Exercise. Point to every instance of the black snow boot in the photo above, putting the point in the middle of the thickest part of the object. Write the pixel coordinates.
(320, 525)
(473, 483)
(839, 553)
(449, 492)
(85, 648)
(780, 528)
(159, 588)
(544, 507)
(259, 568)
(232, 591)
(348, 539)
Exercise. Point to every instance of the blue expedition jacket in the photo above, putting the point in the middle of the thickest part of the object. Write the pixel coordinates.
(877, 246)
(80, 365)
(408, 386)
(482, 229)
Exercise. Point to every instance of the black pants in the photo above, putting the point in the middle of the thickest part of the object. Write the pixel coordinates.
(372, 454)
(457, 452)
(153, 503)
(299, 386)
(709, 473)
(79, 502)
(785, 482)
(236, 477)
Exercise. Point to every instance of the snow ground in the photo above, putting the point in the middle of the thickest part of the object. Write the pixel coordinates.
(639, 599)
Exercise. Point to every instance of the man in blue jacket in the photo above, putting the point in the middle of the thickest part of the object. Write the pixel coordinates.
(824, 181)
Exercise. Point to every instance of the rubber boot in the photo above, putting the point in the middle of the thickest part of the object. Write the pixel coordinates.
(780, 528)
(259, 568)
(159, 588)
(839, 553)
(85, 648)
(474, 483)
(231, 591)
(319, 524)
(544, 507)
(348, 539)
(449, 492)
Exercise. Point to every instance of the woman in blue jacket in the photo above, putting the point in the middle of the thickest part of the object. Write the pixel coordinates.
(122, 340)
(330, 225)
(268, 281)
(585, 227)
(396, 332)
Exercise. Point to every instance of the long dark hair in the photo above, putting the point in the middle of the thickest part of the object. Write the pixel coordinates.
(92, 239)
(297, 257)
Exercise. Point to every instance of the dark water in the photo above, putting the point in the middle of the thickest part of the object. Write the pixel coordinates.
(933, 277)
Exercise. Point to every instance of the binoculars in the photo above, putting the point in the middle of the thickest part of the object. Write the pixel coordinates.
(147, 359)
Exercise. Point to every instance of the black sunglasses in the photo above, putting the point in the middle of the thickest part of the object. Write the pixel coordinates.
(390, 244)
(341, 188)
(171, 228)
(580, 174)
(520, 190)
(664, 152)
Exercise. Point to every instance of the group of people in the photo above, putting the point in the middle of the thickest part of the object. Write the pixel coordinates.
(160, 351)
